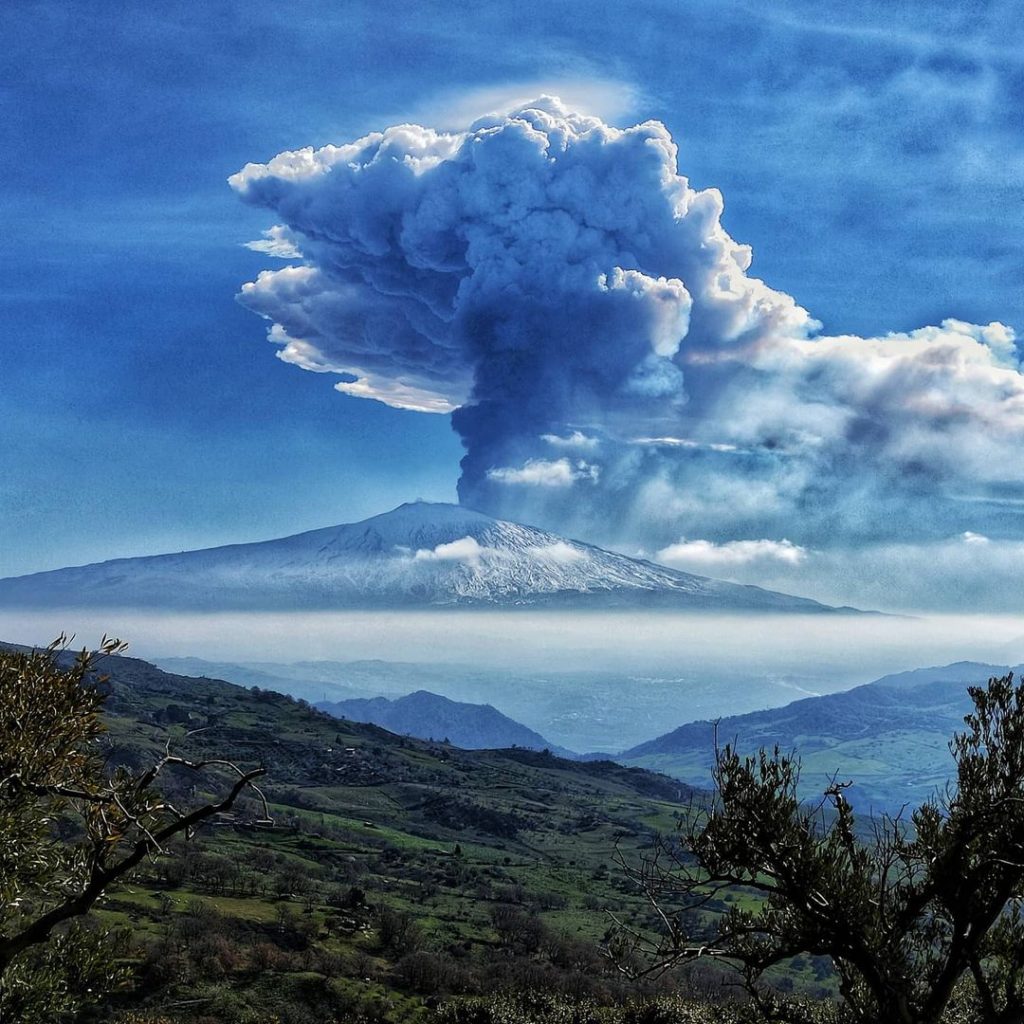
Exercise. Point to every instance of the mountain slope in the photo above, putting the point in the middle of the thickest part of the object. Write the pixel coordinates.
(889, 736)
(431, 717)
(417, 555)
(342, 762)
(365, 824)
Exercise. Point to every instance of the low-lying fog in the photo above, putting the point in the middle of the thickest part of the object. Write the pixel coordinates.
(594, 681)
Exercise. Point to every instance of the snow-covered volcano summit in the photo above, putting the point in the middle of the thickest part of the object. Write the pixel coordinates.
(418, 555)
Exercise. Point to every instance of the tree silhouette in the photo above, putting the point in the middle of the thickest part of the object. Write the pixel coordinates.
(915, 913)
(70, 825)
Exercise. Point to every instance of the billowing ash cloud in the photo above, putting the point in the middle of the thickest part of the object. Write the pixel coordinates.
(611, 366)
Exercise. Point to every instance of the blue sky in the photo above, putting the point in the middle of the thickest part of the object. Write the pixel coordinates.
(872, 158)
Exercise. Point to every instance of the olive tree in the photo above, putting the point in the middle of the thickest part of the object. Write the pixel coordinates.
(71, 825)
(916, 913)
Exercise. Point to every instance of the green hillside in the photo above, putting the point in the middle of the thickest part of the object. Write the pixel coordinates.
(398, 874)
(890, 737)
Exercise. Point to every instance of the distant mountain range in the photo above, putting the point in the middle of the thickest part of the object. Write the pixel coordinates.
(428, 716)
(889, 736)
(418, 555)
(596, 709)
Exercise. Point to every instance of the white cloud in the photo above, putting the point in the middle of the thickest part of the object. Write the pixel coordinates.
(397, 393)
(668, 314)
(963, 574)
(276, 241)
(611, 365)
(683, 442)
(559, 552)
(545, 473)
(605, 98)
(705, 556)
(467, 550)
(574, 440)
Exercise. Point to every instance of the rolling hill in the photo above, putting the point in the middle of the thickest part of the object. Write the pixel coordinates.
(889, 736)
(395, 871)
(431, 717)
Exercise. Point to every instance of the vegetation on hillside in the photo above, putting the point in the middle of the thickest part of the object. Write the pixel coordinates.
(928, 907)
(71, 828)
(888, 736)
(396, 873)
(401, 880)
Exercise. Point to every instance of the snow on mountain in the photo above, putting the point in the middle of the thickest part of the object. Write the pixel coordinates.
(420, 554)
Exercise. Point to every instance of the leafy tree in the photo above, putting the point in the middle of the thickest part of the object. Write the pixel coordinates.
(70, 826)
(919, 916)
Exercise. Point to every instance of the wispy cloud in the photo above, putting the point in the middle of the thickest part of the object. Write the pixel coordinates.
(705, 556)
(606, 98)
(276, 241)
(545, 473)
(467, 550)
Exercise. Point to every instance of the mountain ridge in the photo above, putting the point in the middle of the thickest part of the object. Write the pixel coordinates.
(888, 736)
(419, 555)
(430, 716)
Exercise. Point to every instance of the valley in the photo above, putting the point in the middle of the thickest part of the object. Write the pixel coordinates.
(890, 737)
